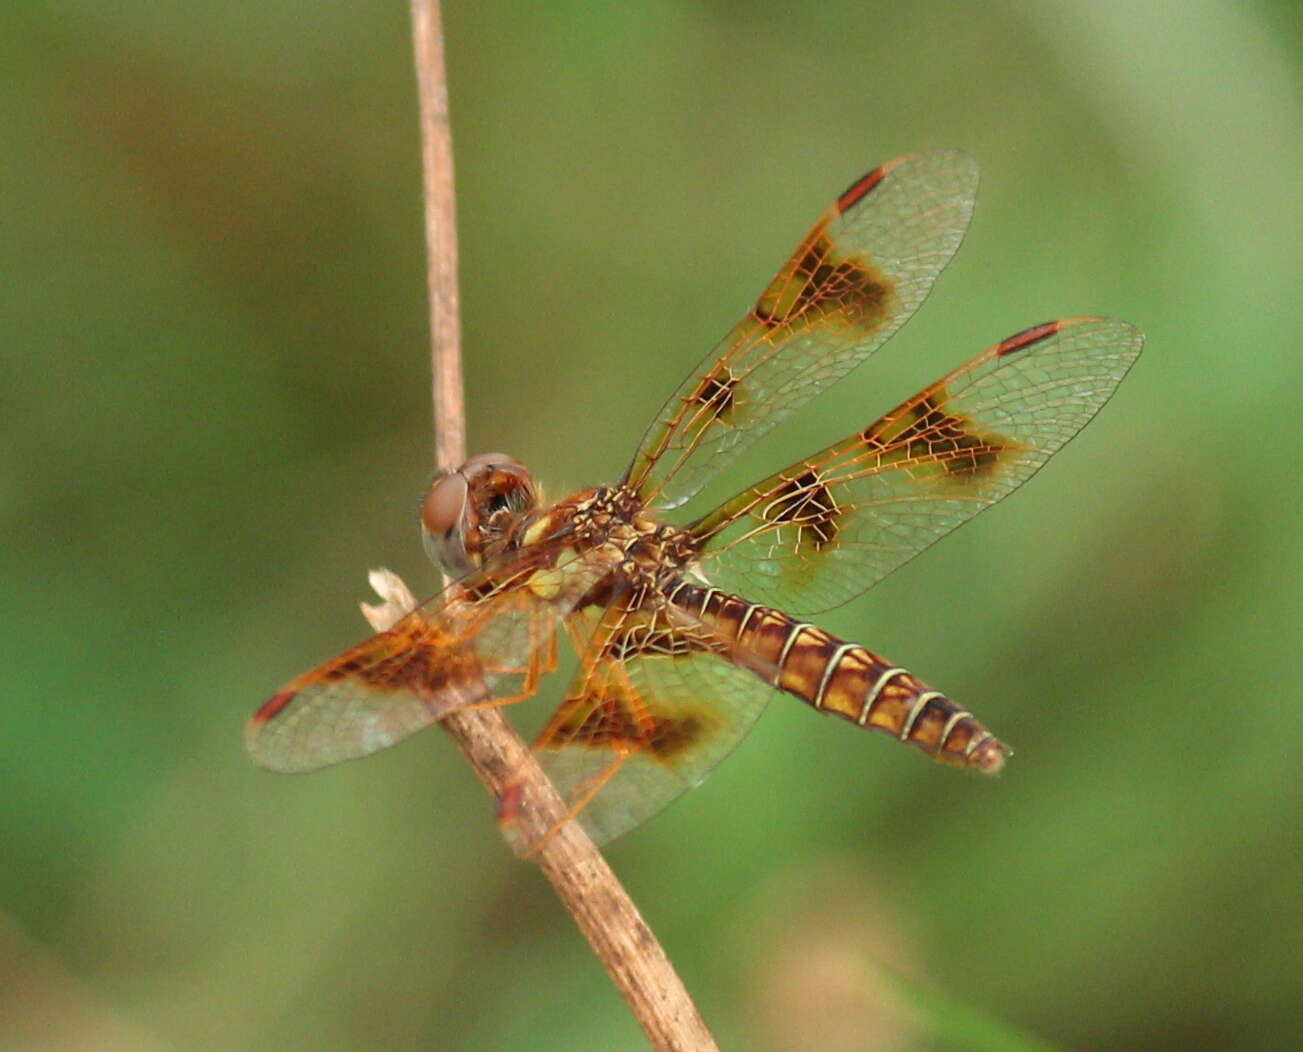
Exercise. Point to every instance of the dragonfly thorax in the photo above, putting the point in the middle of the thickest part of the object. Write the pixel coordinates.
(468, 513)
(613, 516)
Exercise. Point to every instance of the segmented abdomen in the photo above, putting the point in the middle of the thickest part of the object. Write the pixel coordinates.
(842, 678)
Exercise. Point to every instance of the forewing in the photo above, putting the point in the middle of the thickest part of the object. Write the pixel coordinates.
(656, 704)
(469, 645)
(828, 527)
(857, 277)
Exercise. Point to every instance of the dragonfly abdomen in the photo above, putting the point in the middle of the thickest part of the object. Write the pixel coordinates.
(843, 678)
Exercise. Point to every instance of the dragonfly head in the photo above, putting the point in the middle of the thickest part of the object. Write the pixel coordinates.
(467, 513)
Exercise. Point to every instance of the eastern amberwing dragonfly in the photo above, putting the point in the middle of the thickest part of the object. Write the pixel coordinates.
(674, 664)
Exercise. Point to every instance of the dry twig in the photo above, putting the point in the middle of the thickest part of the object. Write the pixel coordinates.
(585, 883)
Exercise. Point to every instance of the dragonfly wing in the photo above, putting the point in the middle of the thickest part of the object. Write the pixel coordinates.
(656, 704)
(467, 646)
(857, 277)
(823, 530)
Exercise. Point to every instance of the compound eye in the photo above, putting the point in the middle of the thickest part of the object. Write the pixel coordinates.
(441, 511)
(443, 524)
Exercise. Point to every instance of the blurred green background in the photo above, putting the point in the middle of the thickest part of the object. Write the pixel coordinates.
(215, 418)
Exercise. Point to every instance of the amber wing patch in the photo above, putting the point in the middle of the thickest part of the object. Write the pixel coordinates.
(366, 699)
(809, 507)
(926, 438)
(816, 285)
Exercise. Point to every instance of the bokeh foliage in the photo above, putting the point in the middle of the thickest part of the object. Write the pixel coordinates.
(215, 419)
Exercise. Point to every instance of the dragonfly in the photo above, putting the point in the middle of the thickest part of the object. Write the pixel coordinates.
(685, 629)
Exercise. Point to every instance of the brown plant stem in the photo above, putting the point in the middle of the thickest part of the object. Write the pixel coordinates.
(585, 883)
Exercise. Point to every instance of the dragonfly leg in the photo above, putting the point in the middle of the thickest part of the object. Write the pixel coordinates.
(542, 660)
(578, 801)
